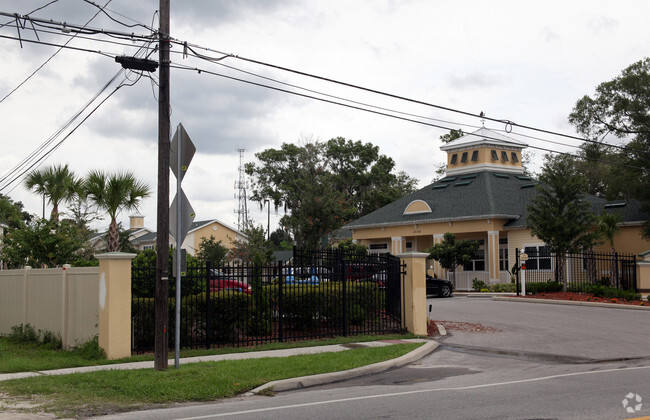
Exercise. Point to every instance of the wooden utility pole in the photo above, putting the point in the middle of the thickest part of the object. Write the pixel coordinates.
(162, 237)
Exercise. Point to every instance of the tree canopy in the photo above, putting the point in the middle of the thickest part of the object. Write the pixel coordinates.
(56, 183)
(620, 108)
(558, 214)
(322, 186)
(114, 193)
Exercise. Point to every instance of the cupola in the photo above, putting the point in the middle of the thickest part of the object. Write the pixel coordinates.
(484, 150)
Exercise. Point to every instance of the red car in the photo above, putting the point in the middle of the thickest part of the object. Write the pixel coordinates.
(220, 282)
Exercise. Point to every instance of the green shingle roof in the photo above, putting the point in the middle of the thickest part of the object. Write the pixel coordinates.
(483, 194)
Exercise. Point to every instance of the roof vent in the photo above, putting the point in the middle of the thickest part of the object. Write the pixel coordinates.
(501, 176)
(524, 178)
(472, 176)
(453, 178)
(439, 186)
(463, 183)
(531, 185)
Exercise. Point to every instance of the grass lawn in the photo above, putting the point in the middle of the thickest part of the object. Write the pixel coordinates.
(99, 393)
(31, 357)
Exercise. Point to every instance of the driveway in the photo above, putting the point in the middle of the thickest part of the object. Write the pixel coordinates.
(563, 330)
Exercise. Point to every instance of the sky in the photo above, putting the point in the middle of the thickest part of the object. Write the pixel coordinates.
(526, 62)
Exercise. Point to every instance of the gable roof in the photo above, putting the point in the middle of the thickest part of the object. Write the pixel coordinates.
(477, 195)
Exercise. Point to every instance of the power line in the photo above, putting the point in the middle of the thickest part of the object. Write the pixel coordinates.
(379, 112)
(32, 159)
(50, 58)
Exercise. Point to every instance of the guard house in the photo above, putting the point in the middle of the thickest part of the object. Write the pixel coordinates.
(483, 197)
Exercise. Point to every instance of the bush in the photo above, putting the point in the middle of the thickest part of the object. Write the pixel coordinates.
(504, 287)
(544, 287)
(22, 334)
(477, 285)
(90, 350)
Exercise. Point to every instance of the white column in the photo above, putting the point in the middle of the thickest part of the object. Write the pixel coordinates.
(397, 245)
(493, 255)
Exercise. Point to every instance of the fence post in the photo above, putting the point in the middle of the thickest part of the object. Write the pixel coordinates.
(207, 304)
(344, 279)
(415, 293)
(114, 324)
(518, 268)
(280, 315)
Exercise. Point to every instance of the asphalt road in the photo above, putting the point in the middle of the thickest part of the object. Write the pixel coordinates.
(544, 362)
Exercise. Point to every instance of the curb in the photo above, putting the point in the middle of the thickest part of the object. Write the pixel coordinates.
(326, 378)
(572, 302)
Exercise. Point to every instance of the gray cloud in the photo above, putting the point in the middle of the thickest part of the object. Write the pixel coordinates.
(476, 80)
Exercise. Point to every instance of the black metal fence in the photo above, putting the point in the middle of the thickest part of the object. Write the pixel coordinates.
(318, 294)
(580, 270)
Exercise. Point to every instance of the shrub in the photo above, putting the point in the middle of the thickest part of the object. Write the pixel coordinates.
(22, 334)
(543, 287)
(90, 350)
(504, 287)
(485, 290)
(477, 285)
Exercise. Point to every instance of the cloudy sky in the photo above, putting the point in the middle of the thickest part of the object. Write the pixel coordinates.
(527, 62)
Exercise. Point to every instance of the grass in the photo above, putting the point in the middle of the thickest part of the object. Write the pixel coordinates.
(98, 393)
(31, 357)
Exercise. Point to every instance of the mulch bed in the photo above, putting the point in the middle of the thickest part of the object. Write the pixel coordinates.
(584, 297)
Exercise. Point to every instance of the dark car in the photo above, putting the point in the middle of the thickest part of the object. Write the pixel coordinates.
(440, 287)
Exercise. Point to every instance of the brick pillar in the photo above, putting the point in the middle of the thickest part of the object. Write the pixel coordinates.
(114, 324)
(415, 293)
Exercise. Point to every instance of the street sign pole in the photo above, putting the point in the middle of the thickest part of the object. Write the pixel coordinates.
(177, 234)
(181, 217)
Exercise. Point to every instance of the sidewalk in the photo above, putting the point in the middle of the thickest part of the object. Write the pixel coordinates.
(282, 385)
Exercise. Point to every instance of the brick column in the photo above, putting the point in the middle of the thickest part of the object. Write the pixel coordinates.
(114, 324)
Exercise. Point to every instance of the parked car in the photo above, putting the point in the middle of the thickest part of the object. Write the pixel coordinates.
(300, 275)
(219, 281)
(360, 272)
(440, 287)
(380, 278)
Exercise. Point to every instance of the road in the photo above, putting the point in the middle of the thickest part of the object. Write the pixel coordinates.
(543, 362)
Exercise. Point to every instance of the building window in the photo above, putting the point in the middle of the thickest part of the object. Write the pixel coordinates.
(495, 156)
(478, 263)
(454, 159)
(474, 155)
(378, 248)
(503, 254)
(514, 157)
(539, 257)
(463, 159)
(504, 156)
(409, 245)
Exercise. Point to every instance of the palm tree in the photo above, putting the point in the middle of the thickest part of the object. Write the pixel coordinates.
(113, 193)
(608, 227)
(56, 183)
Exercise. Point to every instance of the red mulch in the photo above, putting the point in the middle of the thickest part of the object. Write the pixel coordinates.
(583, 297)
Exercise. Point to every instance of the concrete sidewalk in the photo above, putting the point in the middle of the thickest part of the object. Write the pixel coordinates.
(286, 384)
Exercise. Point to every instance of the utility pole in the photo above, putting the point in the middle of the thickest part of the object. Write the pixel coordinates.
(161, 333)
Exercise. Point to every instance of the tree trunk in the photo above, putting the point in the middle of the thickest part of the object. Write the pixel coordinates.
(592, 276)
(613, 269)
(113, 237)
(560, 270)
